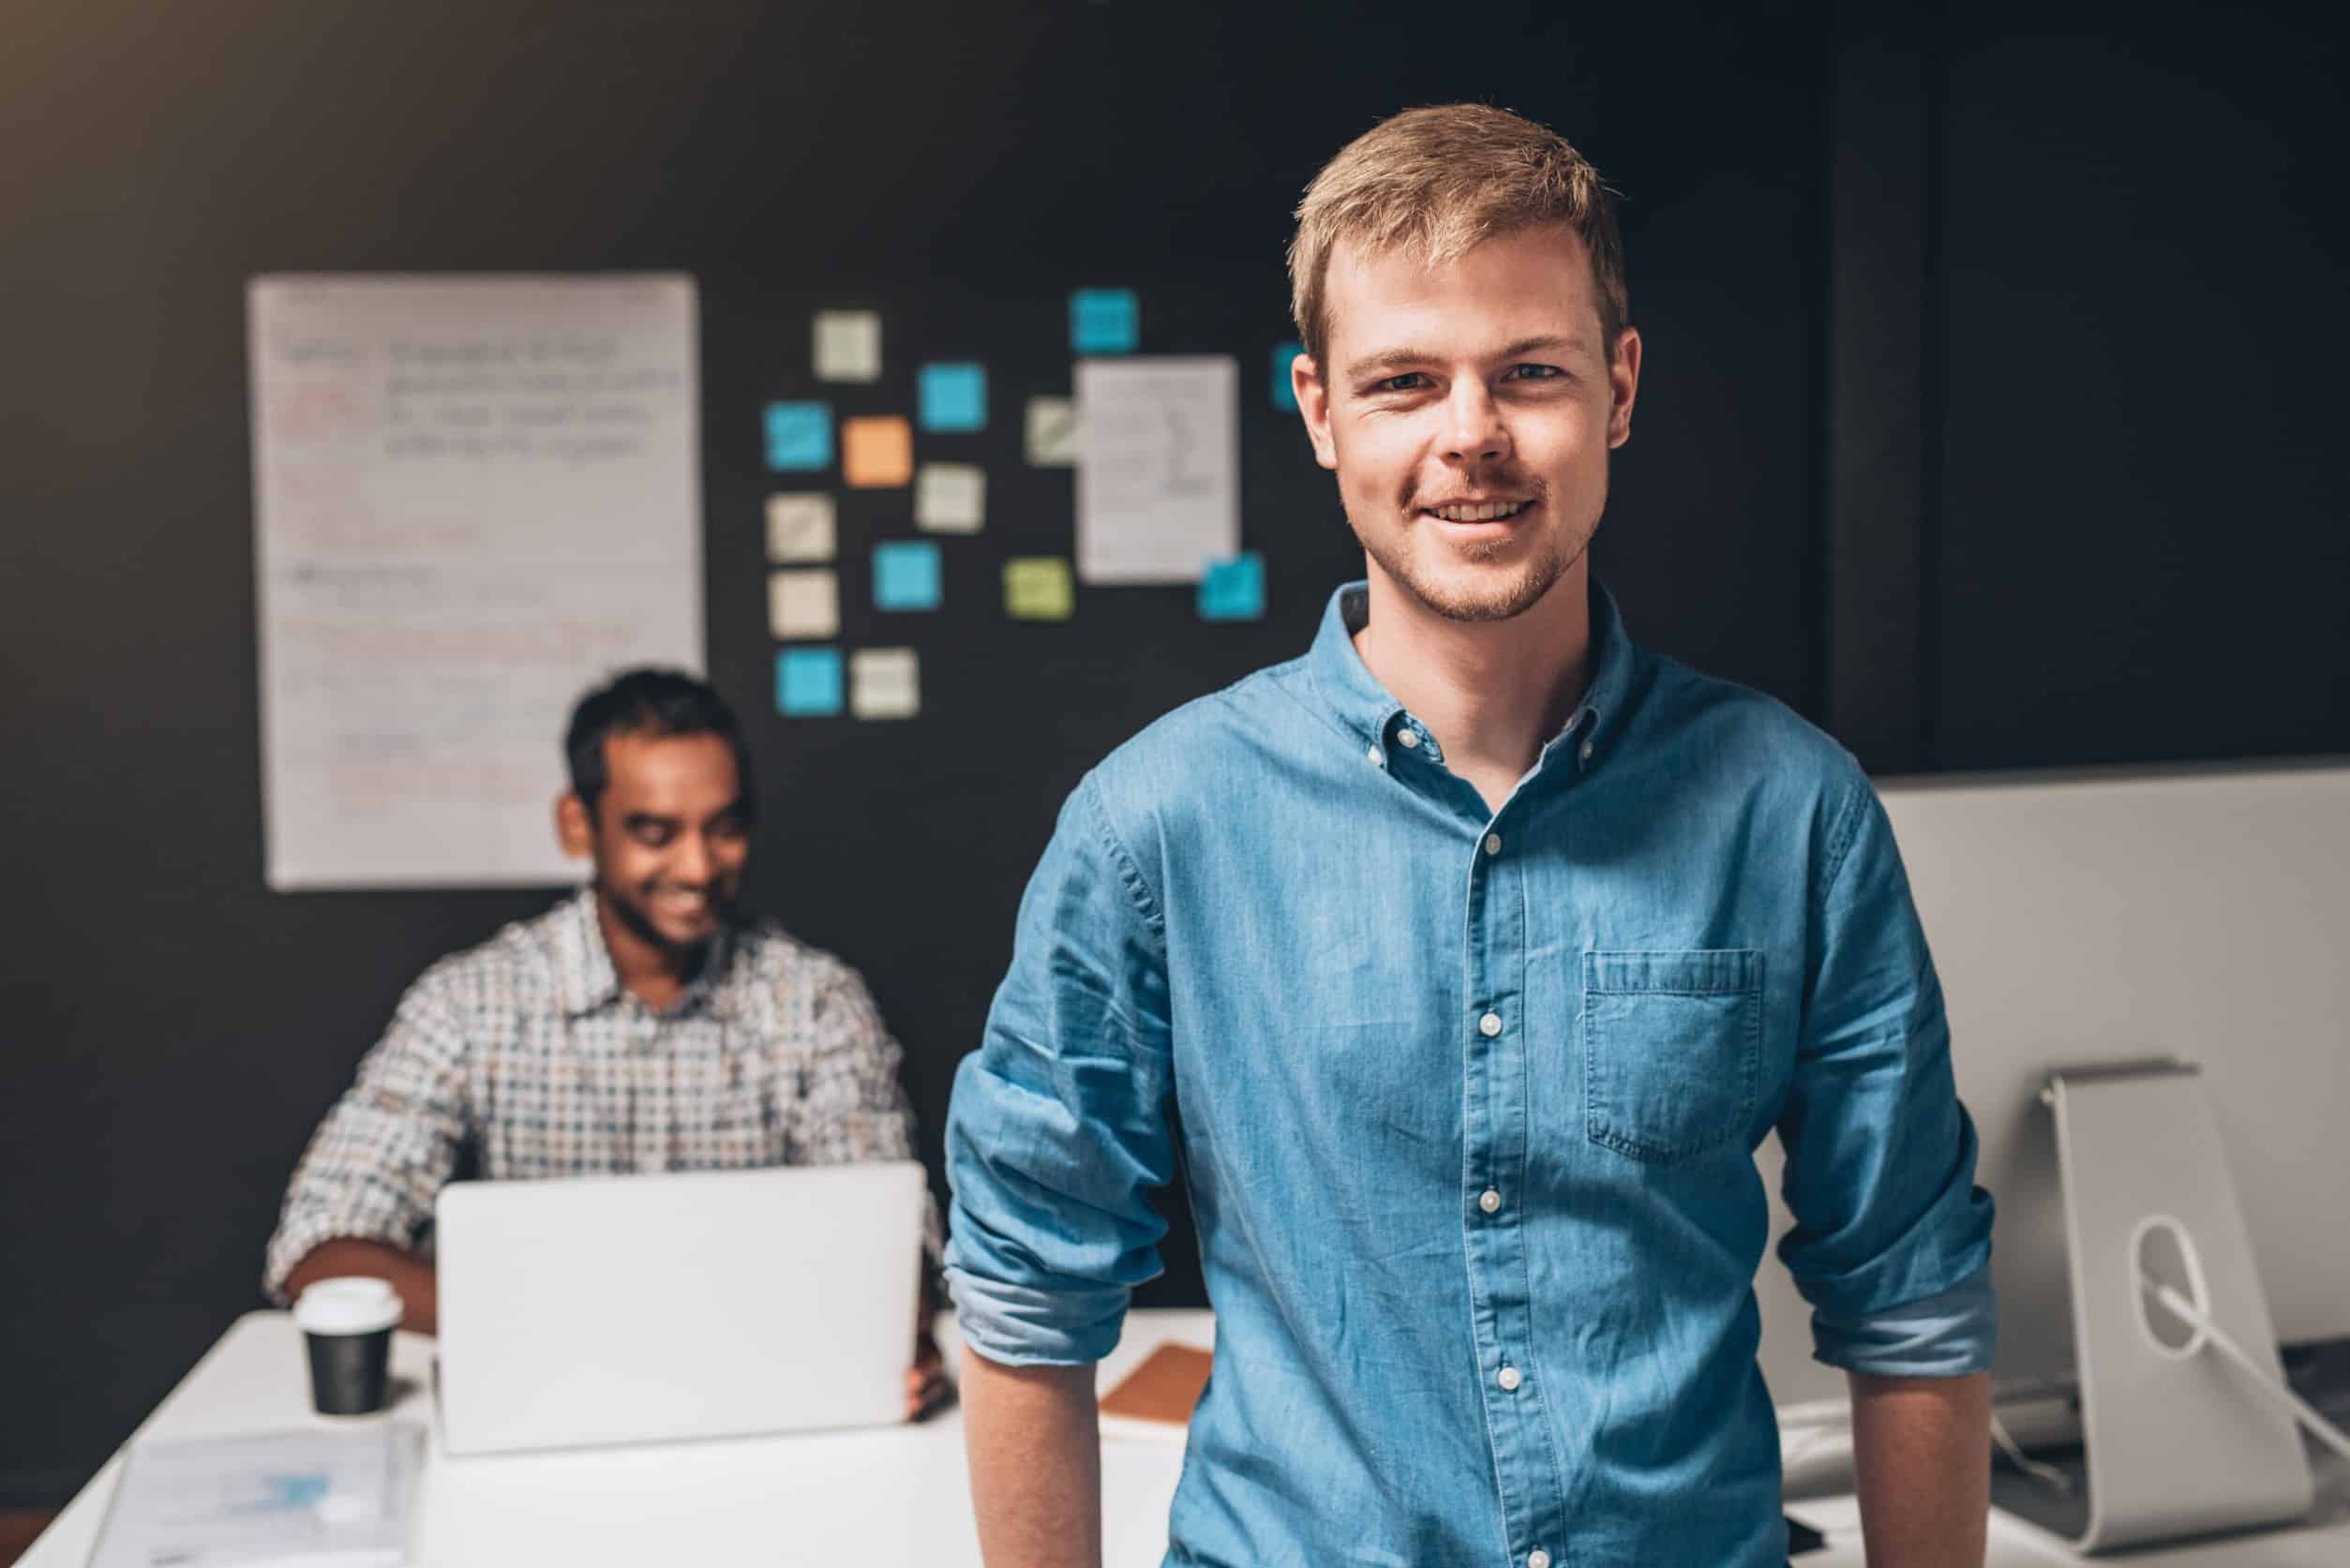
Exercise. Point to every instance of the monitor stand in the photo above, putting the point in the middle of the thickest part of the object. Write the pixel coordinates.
(2174, 1441)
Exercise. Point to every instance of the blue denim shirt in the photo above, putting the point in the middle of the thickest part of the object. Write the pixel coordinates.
(1466, 1102)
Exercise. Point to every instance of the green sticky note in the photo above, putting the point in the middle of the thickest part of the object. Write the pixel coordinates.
(1039, 588)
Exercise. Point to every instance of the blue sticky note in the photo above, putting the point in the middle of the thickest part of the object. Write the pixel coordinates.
(906, 576)
(954, 397)
(1104, 321)
(799, 436)
(1284, 395)
(1233, 589)
(808, 681)
(292, 1493)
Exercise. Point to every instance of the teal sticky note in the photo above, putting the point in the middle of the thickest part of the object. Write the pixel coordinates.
(808, 681)
(1284, 395)
(290, 1493)
(906, 576)
(1233, 589)
(1104, 321)
(799, 436)
(954, 397)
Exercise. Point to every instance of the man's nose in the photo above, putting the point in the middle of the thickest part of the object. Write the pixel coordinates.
(1474, 431)
(693, 862)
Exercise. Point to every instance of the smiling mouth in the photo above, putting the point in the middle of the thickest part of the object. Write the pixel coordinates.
(1481, 511)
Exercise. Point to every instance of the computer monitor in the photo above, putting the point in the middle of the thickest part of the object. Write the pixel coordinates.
(2081, 919)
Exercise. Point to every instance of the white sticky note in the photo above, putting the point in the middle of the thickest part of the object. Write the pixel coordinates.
(801, 527)
(1157, 468)
(884, 683)
(1052, 432)
(803, 604)
(847, 346)
(949, 498)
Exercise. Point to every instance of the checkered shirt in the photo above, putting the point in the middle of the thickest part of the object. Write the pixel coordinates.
(528, 1054)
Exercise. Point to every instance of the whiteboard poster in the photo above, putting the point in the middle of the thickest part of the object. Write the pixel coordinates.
(474, 497)
(1158, 467)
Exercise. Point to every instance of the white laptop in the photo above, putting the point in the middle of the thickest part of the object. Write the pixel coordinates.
(608, 1310)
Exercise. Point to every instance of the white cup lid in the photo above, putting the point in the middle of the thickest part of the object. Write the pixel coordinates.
(350, 1305)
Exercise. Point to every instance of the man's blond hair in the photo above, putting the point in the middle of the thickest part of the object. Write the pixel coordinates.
(1437, 183)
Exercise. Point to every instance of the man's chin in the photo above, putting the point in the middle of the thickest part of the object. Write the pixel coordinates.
(669, 929)
(1476, 592)
(686, 931)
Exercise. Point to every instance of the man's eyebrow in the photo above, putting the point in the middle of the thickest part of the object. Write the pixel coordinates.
(647, 819)
(1396, 359)
(1552, 344)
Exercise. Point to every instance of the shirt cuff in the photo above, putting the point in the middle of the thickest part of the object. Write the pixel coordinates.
(1954, 1334)
(1018, 1325)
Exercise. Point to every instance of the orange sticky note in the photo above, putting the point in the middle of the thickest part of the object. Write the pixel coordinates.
(876, 453)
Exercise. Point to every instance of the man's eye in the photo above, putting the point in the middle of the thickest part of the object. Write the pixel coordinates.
(1535, 372)
(654, 837)
(1409, 381)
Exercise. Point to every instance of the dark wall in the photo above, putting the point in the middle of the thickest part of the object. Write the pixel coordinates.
(2141, 550)
(170, 1031)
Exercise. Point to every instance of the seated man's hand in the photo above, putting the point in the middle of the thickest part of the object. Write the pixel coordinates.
(927, 1390)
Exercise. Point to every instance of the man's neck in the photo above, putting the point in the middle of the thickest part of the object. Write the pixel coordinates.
(654, 972)
(1491, 692)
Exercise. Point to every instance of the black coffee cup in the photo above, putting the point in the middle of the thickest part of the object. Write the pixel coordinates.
(347, 1326)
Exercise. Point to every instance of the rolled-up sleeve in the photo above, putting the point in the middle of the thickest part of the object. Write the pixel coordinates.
(387, 1148)
(1058, 1128)
(1892, 1241)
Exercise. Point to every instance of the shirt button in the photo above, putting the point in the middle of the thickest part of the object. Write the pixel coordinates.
(1537, 1558)
(1374, 755)
(1491, 1201)
(1509, 1380)
(1490, 1026)
(1585, 751)
(1407, 738)
(1492, 843)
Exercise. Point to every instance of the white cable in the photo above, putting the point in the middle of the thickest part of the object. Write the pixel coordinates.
(2194, 1317)
(2048, 1476)
(1800, 1440)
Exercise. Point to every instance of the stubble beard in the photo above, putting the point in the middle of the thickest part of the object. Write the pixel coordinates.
(633, 908)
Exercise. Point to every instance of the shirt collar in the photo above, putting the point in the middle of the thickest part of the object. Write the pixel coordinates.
(1369, 710)
(584, 976)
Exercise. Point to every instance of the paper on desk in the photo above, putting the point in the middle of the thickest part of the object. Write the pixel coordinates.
(310, 1497)
(1157, 468)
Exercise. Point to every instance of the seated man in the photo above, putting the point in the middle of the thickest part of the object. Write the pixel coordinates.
(636, 1026)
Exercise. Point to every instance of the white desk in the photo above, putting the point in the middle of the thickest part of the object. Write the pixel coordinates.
(882, 1496)
(889, 1495)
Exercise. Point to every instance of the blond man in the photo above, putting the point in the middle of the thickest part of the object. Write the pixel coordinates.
(1479, 947)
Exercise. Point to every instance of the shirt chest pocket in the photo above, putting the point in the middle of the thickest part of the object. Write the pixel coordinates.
(1673, 1045)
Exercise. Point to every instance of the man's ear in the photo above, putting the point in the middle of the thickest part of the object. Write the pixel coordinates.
(1623, 385)
(1313, 406)
(574, 828)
